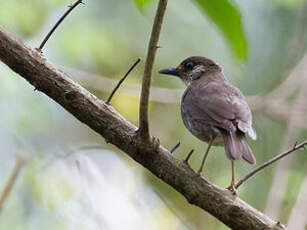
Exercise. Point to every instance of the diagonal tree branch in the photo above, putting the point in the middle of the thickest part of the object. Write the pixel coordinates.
(106, 121)
(152, 49)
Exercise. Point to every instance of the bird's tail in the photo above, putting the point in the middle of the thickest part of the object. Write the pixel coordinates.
(236, 146)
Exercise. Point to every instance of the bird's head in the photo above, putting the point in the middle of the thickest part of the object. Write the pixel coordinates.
(194, 68)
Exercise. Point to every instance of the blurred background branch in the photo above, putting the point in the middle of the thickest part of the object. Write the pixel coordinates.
(297, 219)
(20, 160)
(295, 120)
(274, 104)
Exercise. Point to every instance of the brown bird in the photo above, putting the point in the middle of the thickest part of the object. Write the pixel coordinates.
(213, 110)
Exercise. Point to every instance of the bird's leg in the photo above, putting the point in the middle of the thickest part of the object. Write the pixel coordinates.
(205, 157)
(232, 185)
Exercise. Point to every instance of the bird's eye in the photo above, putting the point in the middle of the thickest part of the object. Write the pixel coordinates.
(189, 65)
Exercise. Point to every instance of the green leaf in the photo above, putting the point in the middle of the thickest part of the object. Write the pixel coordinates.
(141, 4)
(228, 19)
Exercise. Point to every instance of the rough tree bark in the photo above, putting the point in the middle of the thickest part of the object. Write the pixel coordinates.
(103, 119)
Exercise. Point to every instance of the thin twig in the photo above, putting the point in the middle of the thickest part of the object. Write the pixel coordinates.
(152, 49)
(260, 104)
(188, 157)
(9, 185)
(279, 156)
(174, 148)
(122, 80)
(71, 7)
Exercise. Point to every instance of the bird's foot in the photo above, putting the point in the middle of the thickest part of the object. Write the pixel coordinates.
(232, 188)
(156, 142)
(199, 172)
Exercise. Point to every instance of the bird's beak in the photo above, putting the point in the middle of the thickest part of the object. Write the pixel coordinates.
(170, 71)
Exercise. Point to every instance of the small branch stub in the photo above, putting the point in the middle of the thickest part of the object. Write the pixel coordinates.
(174, 148)
(189, 156)
(122, 80)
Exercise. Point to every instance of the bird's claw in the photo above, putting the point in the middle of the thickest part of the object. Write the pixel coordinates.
(232, 189)
(155, 142)
(199, 173)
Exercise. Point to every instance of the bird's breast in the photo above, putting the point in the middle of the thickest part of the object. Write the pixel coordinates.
(198, 126)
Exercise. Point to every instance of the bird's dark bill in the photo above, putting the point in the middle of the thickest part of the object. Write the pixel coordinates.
(170, 71)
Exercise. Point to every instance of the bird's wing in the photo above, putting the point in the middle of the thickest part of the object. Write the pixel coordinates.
(223, 104)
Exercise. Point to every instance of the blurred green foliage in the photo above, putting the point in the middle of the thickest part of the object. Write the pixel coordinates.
(226, 16)
(141, 4)
(96, 47)
(26, 16)
(290, 3)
